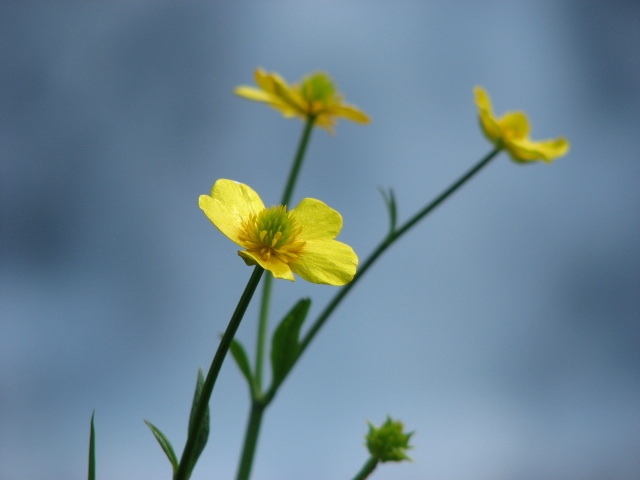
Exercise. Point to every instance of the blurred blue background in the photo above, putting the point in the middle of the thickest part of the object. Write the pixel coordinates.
(504, 330)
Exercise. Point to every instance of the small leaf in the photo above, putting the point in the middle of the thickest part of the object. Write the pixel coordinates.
(240, 356)
(196, 398)
(390, 202)
(92, 450)
(203, 433)
(165, 444)
(285, 343)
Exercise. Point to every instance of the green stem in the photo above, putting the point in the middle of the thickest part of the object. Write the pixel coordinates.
(263, 321)
(297, 161)
(444, 195)
(255, 417)
(184, 470)
(380, 249)
(92, 450)
(251, 440)
(367, 469)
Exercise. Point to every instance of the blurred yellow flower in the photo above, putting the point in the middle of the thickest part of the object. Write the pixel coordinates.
(316, 97)
(299, 241)
(511, 132)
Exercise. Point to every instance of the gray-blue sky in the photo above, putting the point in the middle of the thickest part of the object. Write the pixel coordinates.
(504, 329)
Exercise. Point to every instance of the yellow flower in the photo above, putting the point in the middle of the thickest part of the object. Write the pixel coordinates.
(316, 96)
(511, 132)
(299, 241)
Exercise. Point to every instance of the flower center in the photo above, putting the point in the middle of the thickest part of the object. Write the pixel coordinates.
(272, 232)
(318, 91)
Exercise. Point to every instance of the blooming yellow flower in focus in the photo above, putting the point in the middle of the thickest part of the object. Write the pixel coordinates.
(511, 132)
(316, 96)
(299, 241)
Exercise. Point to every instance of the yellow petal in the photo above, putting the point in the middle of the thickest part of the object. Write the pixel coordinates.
(272, 89)
(349, 112)
(514, 124)
(285, 109)
(278, 268)
(252, 93)
(257, 95)
(483, 102)
(261, 77)
(488, 122)
(269, 81)
(291, 97)
(552, 149)
(229, 204)
(525, 150)
(326, 261)
(327, 122)
(317, 219)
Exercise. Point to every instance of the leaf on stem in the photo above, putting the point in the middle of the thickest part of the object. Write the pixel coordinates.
(92, 450)
(165, 444)
(390, 201)
(203, 429)
(285, 344)
(242, 360)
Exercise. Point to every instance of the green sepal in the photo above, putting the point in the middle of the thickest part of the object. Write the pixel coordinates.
(285, 344)
(165, 444)
(390, 201)
(203, 433)
(92, 450)
(242, 360)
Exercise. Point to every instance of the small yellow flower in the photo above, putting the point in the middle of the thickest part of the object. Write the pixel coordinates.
(511, 132)
(316, 96)
(299, 241)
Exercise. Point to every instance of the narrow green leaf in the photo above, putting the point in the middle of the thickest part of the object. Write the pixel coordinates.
(285, 343)
(390, 201)
(393, 209)
(240, 356)
(196, 398)
(203, 429)
(165, 444)
(92, 450)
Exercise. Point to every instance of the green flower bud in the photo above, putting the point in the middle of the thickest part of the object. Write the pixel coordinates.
(388, 443)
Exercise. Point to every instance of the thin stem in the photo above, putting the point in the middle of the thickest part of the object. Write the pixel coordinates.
(92, 450)
(380, 249)
(251, 440)
(367, 469)
(184, 470)
(263, 321)
(297, 161)
(444, 195)
(257, 407)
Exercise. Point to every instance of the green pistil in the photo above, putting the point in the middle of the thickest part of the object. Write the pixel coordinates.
(275, 226)
(318, 87)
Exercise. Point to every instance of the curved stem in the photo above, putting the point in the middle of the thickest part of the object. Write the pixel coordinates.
(185, 467)
(380, 249)
(367, 469)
